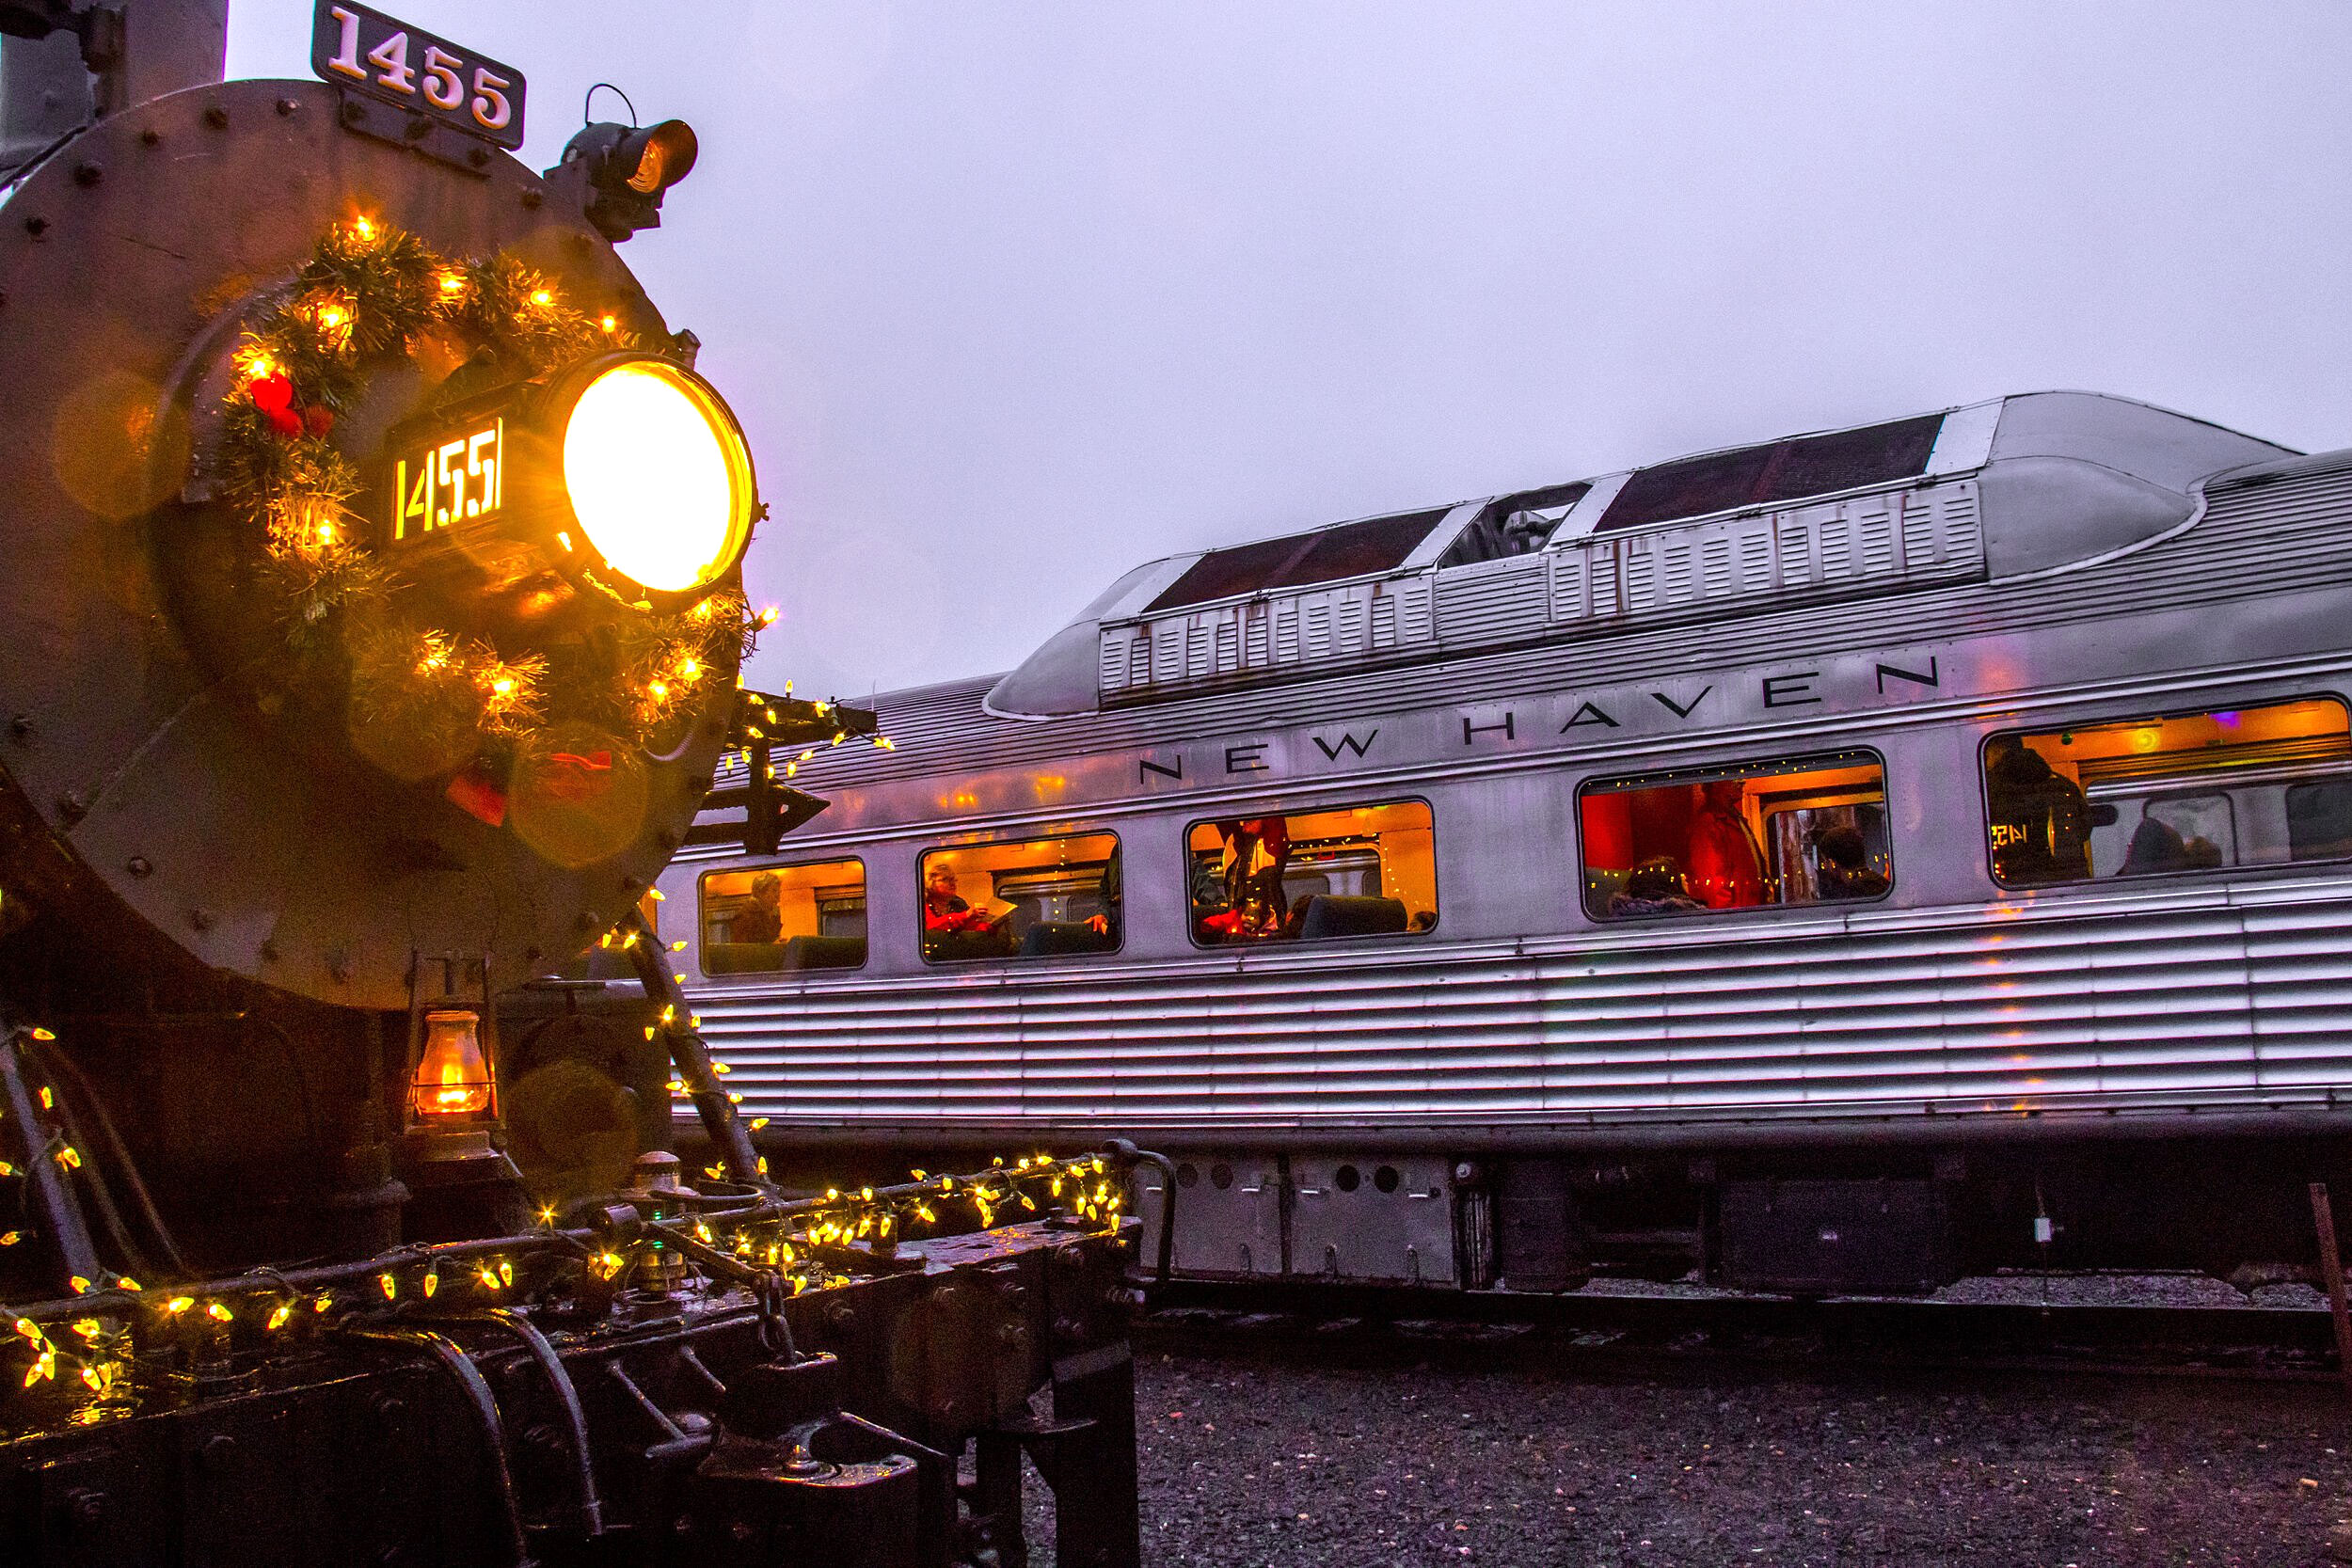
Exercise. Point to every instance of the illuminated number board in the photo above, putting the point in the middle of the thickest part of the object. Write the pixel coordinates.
(443, 482)
(364, 50)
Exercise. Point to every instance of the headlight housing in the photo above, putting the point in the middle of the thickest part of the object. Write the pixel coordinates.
(656, 475)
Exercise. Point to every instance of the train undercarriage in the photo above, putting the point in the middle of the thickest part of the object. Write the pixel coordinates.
(1792, 1218)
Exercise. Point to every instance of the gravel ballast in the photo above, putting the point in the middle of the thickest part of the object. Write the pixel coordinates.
(1316, 1464)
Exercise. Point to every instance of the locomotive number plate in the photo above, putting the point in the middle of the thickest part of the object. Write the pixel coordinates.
(366, 52)
(444, 481)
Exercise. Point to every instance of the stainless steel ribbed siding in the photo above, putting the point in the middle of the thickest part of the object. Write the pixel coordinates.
(1952, 1003)
(2167, 1001)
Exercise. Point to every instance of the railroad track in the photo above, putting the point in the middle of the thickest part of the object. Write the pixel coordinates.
(1381, 1325)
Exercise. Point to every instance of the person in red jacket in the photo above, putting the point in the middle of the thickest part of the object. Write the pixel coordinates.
(944, 911)
(1721, 865)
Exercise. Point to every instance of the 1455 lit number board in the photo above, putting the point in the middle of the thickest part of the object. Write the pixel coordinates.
(448, 479)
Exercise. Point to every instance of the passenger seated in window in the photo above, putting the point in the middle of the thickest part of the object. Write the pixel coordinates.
(1208, 896)
(2040, 823)
(944, 910)
(762, 919)
(2157, 846)
(1254, 921)
(1726, 870)
(1654, 887)
(1106, 923)
(1842, 865)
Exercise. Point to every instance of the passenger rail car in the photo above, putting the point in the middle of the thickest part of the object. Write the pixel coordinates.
(1840, 864)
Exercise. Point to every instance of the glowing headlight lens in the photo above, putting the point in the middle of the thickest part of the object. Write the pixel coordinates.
(657, 476)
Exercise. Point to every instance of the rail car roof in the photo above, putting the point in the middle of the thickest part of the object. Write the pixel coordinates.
(2012, 488)
(2054, 480)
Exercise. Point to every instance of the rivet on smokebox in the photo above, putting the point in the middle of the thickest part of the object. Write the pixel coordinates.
(88, 174)
(216, 116)
(139, 865)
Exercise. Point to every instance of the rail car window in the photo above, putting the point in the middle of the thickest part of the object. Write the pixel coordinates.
(1358, 871)
(2195, 791)
(784, 917)
(1301, 560)
(1805, 829)
(1045, 898)
(1515, 525)
(1775, 473)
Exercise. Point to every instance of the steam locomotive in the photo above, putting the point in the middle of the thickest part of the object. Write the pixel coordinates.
(368, 631)
(1840, 864)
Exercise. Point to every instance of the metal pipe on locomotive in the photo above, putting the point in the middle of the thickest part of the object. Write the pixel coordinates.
(370, 632)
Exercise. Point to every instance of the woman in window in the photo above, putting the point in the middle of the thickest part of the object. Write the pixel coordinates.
(762, 919)
(943, 909)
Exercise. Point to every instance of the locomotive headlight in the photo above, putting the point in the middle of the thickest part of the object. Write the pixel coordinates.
(627, 470)
(657, 475)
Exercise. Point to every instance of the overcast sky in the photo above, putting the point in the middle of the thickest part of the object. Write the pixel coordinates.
(1014, 296)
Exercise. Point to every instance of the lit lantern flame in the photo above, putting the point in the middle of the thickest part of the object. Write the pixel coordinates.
(452, 1074)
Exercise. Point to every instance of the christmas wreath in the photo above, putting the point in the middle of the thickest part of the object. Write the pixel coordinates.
(371, 297)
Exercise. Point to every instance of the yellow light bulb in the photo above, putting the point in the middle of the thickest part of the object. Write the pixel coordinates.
(657, 475)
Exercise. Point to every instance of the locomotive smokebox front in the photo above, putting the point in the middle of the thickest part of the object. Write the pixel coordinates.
(374, 561)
